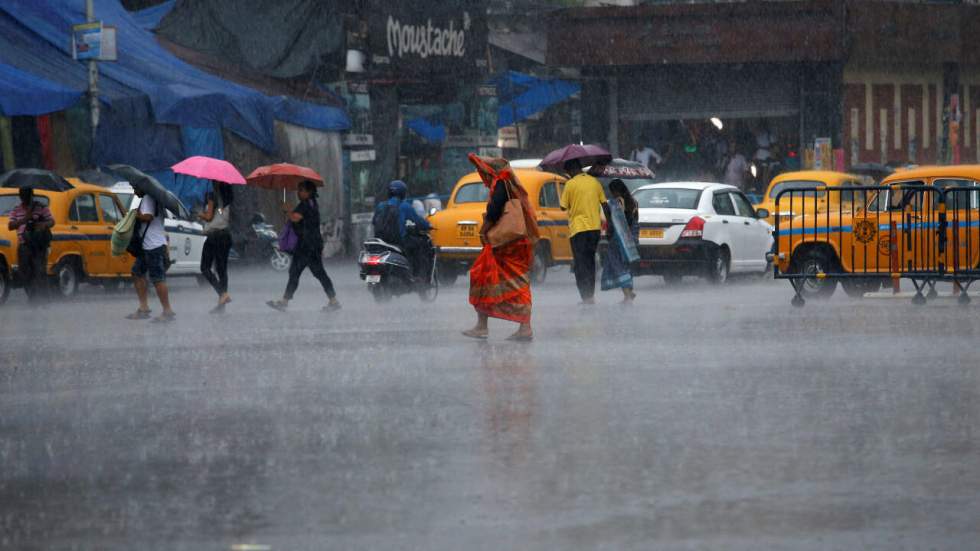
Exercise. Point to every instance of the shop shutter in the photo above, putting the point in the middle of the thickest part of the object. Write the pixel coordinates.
(703, 91)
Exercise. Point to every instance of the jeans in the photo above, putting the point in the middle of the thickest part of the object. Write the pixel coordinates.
(32, 269)
(308, 258)
(214, 260)
(152, 262)
(584, 245)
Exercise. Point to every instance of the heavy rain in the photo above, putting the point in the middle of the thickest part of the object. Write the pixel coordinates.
(520, 274)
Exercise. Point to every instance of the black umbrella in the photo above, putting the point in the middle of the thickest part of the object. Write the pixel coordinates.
(36, 178)
(97, 177)
(144, 183)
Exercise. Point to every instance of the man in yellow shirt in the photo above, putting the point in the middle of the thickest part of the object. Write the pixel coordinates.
(583, 198)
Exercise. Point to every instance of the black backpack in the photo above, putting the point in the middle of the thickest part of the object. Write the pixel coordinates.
(387, 225)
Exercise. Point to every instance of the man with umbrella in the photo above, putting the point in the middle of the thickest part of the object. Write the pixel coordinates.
(151, 254)
(33, 222)
(582, 198)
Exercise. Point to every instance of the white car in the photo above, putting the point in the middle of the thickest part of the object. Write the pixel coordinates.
(700, 229)
(186, 238)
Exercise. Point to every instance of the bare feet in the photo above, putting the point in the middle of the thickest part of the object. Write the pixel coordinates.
(476, 333)
(522, 335)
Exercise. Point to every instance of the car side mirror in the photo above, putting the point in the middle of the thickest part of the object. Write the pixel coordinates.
(761, 213)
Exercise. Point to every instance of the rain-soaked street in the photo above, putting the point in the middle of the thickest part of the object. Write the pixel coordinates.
(701, 418)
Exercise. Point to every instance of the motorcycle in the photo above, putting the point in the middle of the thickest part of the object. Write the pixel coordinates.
(388, 272)
(261, 245)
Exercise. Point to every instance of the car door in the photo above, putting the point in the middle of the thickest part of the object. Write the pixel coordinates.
(87, 227)
(963, 215)
(720, 227)
(753, 234)
(552, 222)
(186, 245)
(112, 212)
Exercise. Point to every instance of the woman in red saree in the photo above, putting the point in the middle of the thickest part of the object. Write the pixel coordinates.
(500, 283)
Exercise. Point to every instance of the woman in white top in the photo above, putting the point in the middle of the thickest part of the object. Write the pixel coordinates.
(217, 245)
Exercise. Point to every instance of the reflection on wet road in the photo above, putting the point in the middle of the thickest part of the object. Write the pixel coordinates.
(700, 418)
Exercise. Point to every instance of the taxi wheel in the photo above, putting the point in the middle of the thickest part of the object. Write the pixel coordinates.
(67, 277)
(446, 273)
(539, 268)
(4, 283)
(856, 288)
(812, 263)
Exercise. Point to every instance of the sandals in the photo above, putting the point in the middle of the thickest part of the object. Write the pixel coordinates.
(277, 305)
(219, 309)
(164, 318)
(332, 307)
(517, 337)
(139, 315)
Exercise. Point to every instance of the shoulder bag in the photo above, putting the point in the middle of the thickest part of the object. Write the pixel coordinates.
(511, 225)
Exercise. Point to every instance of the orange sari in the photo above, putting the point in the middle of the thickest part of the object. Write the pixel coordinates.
(500, 279)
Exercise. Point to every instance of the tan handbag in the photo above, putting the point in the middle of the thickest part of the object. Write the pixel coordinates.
(511, 225)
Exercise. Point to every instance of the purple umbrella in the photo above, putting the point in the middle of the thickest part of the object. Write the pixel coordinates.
(586, 154)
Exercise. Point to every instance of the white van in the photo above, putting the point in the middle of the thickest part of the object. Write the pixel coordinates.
(186, 238)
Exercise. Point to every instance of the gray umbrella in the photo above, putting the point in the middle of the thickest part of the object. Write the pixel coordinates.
(144, 183)
(36, 178)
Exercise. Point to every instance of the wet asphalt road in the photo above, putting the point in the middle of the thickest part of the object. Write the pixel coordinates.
(701, 418)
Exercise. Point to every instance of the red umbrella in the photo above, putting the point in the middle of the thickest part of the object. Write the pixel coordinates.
(282, 176)
(586, 154)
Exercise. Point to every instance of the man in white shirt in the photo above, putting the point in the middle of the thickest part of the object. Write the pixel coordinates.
(737, 168)
(151, 262)
(648, 157)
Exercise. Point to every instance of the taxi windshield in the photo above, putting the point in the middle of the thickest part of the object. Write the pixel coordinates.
(797, 185)
(473, 192)
(8, 202)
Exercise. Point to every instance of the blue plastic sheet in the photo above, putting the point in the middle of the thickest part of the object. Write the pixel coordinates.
(178, 92)
(24, 94)
(150, 18)
(433, 133)
(524, 95)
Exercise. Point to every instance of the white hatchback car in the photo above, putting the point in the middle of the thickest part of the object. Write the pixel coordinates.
(700, 229)
(186, 238)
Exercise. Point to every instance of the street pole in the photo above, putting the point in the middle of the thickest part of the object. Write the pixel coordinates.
(93, 74)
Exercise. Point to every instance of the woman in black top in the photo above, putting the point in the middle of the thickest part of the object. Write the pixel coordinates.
(217, 246)
(305, 219)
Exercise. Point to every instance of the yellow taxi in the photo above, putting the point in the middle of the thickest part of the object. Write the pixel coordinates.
(80, 245)
(456, 229)
(803, 179)
(892, 232)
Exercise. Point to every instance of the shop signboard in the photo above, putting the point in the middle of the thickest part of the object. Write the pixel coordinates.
(418, 37)
(822, 156)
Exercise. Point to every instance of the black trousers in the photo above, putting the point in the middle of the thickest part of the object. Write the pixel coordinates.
(584, 245)
(32, 269)
(214, 260)
(308, 258)
(419, 252)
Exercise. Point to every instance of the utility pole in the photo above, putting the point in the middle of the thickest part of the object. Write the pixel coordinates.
(93, 74)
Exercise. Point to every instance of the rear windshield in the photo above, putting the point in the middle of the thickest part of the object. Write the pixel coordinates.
(8, 202)
(667, 198)
(798, 184)
(473, 192)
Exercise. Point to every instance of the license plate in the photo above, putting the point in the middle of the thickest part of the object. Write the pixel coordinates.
(467, 231)
(373, 278)
(652, 234)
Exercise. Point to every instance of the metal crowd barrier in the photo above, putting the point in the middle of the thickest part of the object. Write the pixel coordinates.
(865, 236)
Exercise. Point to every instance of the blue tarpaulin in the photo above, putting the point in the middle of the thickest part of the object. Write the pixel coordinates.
(434, 133)
(178, 93)
(150, 18)
(524, 95)
(25, 94)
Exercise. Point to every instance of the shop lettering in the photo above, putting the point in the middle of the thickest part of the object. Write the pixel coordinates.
(425, 40)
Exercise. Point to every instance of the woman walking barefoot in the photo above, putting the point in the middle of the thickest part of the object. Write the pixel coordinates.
(305, 219)
(500, 283)
(217, 245)
(623, 217)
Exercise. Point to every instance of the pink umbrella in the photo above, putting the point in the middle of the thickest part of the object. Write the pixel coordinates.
(586, 154)
(209, 168)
